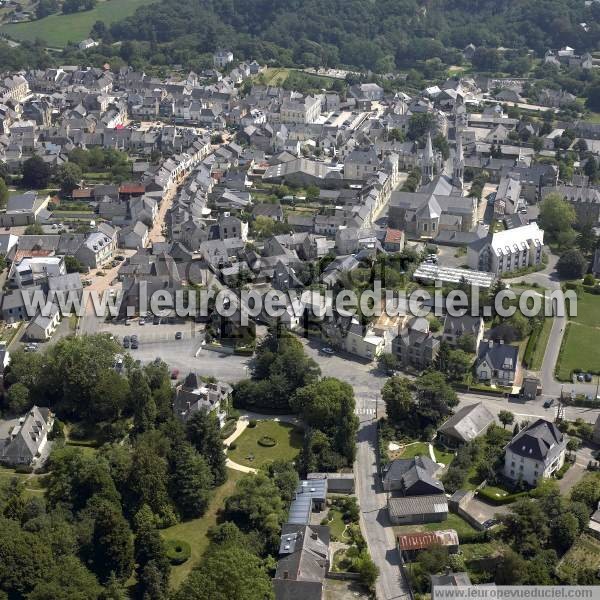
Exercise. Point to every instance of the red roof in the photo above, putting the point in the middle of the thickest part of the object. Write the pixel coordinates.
(132, 188)
(393, 236)
(421, 540)
(82, 193)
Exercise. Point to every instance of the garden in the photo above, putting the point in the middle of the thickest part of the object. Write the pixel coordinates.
(264, 442)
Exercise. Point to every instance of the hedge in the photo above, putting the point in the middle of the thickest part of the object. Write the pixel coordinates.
(178, 551)
(267, 441)
(509, 499)
(228, 428)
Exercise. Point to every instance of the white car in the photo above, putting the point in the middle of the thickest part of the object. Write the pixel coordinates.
(327, 350)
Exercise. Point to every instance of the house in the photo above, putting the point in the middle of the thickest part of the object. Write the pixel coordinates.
(43, 325)
(24, 209)
(449, 579)
(221, 58)
(463, 427)
(337, 483)
(394, 240)
(96, 250)
(456, 328)
(310, 496)
(415, 510)
(304, 561)
(134, 236)
(497, 363)
(194, 395)
(416, 346)
(272, 211)
(23, 441)
(508, 250)
(412, 477)
(535, 452)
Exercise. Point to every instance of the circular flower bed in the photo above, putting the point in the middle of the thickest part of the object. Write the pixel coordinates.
(267, 441)
(178, 551)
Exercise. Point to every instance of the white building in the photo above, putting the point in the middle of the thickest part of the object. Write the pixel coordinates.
(507, 251)
(221, 58)
(535, 452)
(22, 441)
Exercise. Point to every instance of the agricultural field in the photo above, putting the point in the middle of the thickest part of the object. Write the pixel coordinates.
(58, 30)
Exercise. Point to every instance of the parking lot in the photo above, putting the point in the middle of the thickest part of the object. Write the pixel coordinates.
(192, 334)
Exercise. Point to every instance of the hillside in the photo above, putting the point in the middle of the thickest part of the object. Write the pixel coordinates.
(368, 34)
(59, 29)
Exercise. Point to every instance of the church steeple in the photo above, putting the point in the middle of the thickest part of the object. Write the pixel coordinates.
(458, 171)
(428, 161)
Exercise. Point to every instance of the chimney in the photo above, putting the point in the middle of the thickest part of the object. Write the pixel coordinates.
(491, 343)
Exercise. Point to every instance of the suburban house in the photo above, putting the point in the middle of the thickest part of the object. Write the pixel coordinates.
(468, 423)
(497, 363)
(134, 236)
(450, 579)
(414, 510)
(22, 441)
(43, 325)
(25, 209)
(458, 327)
(507, 251)
(194, 395)
(96, 250)
(416, 346)
(535, 452)
(303, 562)
(311, 495)
(412, 477)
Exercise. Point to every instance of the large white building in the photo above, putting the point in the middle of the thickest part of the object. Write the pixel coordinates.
(507, 251)
(535, 452)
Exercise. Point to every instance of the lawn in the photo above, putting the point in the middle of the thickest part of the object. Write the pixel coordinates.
(33, 483)
(452, 522)
(249, 452)
(275, 76)
(579, 351)
(478, 551)
(542, 343)
(57, 30)
(416, 449)
(194, 532)
(443, 456)
(588, 310)
(336, 525)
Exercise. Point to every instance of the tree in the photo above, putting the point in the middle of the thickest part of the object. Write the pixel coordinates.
(440, 143)
(398, 399)
(112, 543)
(191, 480)
(149, 480)
(565, 529)
(459, 363)
(592, 101)
(420, 124)
(506, 418)
(557, 217)
(587, 491)
(227, 571)
(142, 402)
(435, 398)
(74, 265)
(204, 432)
(34, 229)
(571, 265)
(328, 405)
(18, 399)
(367, 570)
(388, 362)
(3, 193)
(153, 567)
(69, 177)
(486, 59)
(36, 173)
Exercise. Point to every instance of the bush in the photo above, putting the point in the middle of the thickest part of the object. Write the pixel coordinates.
(589, 279)
(228, 428)
(252, 423)
(508, 499)
(178, 551)
(267, 441)
(24, 469)
(232, 446)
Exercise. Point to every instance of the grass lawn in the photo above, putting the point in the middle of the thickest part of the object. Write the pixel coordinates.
(588, 310)
(250, 453)
(59, 29)
(443, 456)
(542, 343)
(579, 351)
(194, 532)
(477, 551)
(275, 76)
(336, 525)
(33, 483)
(452, 522)
(416, 449)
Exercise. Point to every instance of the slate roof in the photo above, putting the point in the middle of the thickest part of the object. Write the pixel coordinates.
(499, 356)
(410, 471)
(538, 440)
(418, 505)
(468, 422)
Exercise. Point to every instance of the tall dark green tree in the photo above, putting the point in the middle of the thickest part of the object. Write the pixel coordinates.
(36, 173)
(204, 433)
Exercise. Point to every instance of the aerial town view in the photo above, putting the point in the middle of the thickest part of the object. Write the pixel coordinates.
(299, 300)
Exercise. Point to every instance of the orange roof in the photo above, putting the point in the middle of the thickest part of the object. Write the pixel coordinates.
(420, 540)
(82, 193)
(20, 254)
(393, 236)
(132, 188)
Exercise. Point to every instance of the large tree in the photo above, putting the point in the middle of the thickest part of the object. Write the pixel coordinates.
(36, 173)
(204, 433)
(69, 177)
(571, 264)
(399, 403)
(557, 218)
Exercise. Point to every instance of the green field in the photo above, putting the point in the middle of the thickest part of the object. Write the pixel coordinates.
(417, 449)
(57, 30)
(542, 343)
(194, 532)
(579, 351)
(452, 522)
(250, 453)
(588, 310)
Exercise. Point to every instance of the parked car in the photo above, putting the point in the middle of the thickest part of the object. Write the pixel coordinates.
(588, 377)
(119, 257)
(174, 373)
(126, 341)
(156, 321)
(134, 344)
(549, 403)
(580, 377)
(33, 347)
(327, 350)
(142, 321)
(178, 335)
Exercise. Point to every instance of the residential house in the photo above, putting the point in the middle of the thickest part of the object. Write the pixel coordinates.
(465, 425)
(23, 441)
(497, 364)
(96, 250)
(43, 325)
(416, 346)
(25, 209)
(535, 452)
(460, 327)
(416, 510)
(194, 395)
(412, 477)
(134, 236)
